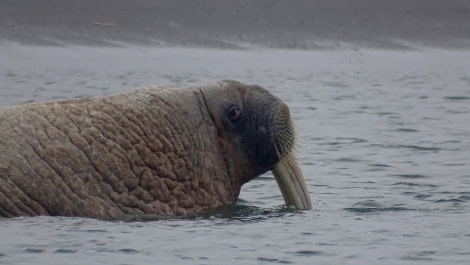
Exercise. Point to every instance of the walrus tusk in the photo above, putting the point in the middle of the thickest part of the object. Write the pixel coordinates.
(290, 179)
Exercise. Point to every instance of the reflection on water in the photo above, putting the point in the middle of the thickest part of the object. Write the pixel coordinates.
(384, 150)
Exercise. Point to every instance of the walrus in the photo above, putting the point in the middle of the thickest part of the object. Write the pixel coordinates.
(159, 150)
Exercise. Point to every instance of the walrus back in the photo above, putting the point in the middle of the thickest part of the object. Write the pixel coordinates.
(99, 157)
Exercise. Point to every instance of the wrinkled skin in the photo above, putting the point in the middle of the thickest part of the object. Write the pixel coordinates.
(157, 151)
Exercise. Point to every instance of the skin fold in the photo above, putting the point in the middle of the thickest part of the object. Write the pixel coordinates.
(164, 151)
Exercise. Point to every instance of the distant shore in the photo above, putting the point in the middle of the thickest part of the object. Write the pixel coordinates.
(303, 24)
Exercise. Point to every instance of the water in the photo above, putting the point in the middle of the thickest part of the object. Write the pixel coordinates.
(385, 151)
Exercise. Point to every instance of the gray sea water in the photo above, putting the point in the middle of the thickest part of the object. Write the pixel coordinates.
(385, 152)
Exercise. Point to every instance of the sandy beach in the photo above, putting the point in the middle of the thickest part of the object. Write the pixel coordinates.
(239, 24)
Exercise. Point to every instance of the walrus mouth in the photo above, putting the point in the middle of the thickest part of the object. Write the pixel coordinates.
(291, 182)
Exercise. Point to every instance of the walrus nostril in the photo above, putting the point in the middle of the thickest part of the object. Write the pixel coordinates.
(284, 110)
(282, 116)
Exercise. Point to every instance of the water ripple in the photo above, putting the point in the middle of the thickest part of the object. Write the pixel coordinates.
(411, 184)
(308, 253)
(457, 98)
(34, 250)
(406, 130)
(371, 206)
(250, 214)
(411, 176)
(418, 148)
(420, 256)
(65, 251)
(274, 260)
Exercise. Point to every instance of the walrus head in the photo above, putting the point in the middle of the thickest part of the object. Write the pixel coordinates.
(257, 134)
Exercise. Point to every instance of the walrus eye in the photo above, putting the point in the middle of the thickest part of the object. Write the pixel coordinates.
(234, 113)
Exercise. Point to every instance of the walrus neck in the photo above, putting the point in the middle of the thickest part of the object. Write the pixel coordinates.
(225, 147)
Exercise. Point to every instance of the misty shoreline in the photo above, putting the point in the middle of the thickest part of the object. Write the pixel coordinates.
(304, 25)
